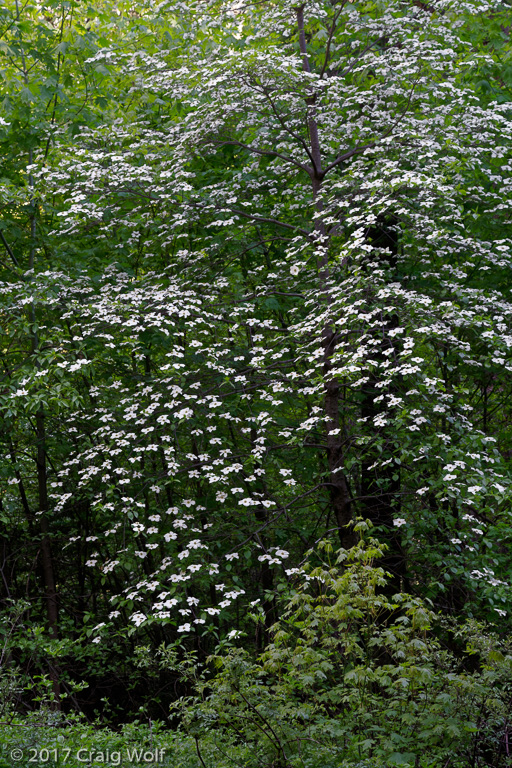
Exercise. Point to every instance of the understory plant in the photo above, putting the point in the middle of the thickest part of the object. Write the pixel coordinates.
(355, 676)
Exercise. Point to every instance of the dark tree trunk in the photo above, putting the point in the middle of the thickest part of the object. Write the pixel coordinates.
(380, 486)
(52, 608)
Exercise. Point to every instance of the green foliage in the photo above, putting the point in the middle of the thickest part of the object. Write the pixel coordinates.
(255, 283)
(47, 738)
(354, 677)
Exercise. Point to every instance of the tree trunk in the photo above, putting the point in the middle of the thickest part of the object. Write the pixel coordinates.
(337, 484)
(380, 486)
(52, 609)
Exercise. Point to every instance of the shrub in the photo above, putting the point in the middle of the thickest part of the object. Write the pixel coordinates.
(353, 677)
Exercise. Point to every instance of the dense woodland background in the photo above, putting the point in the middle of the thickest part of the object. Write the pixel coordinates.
(255, 360)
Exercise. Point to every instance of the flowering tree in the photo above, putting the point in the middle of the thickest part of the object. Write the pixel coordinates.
(292, 310)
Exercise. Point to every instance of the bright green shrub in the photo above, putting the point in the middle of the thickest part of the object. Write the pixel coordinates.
(353, 677)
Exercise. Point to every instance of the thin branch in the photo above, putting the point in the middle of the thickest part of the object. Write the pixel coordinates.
(265, 721)
(288, 130)
(264, 220)
(329, 41)
(265, 153)
(8, 249)
(365, 50)
(358, 150)
(196, 739)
